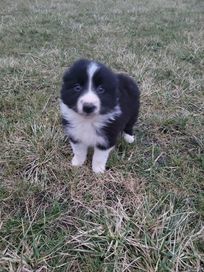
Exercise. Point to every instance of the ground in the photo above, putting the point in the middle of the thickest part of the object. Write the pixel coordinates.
(146, 212)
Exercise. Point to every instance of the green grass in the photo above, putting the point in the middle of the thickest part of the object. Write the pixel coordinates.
(146, 212)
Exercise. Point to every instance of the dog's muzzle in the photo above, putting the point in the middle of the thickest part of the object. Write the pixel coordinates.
(88, 108)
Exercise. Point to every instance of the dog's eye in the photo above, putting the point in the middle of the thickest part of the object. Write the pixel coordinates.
(77, 88)
(100, 89)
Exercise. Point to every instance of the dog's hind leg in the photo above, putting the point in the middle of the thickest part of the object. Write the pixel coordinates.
(128, 131)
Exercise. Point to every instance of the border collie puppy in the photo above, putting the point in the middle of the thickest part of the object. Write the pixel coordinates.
(96, 106)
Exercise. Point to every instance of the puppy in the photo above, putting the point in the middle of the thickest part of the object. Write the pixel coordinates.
(96, 106)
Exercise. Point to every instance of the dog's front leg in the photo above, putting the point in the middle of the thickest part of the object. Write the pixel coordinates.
(80, 153)
(99, 160)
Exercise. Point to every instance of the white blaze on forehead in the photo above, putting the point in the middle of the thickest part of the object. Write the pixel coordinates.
(92, 68)
(90, 96)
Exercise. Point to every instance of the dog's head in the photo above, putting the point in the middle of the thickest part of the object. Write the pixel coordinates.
(89, 88)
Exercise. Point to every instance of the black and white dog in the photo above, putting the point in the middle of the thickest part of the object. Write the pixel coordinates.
(96, 106)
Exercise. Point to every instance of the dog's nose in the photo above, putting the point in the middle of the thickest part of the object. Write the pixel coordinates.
(88, 107)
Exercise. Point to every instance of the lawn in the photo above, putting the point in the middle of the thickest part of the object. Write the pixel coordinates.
(146, 212)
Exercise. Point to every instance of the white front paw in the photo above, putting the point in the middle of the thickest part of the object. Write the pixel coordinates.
(76, 161)
(98, 167)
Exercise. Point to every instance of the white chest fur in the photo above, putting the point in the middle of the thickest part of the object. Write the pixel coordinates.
(87, 130)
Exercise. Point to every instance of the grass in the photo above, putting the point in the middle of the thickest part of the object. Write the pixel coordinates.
(146, 212)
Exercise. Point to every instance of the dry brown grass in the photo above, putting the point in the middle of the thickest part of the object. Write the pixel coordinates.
(146, 212)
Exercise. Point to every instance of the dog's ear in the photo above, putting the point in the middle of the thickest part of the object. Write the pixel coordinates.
(117, 85)
(66, 76)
